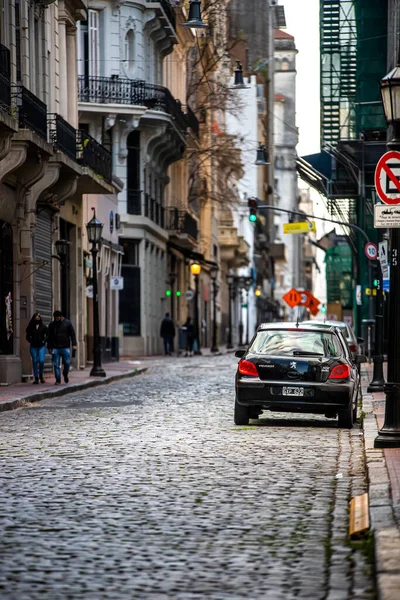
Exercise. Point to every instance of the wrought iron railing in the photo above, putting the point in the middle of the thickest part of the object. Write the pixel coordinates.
(115, 90)
(169, 12)
(32, 112)
(134, 199)
(62, 135)
(182, 222)
(90, 153)
(5, 72)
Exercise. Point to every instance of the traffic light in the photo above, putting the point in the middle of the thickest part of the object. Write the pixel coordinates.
(168, 293)
(177, 293)
(376, 282)
(323, 308)
(252, 203)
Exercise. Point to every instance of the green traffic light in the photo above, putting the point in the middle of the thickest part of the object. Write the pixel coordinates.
(168, 293)
(376, 282)
(178, 293)
(253, 218)
(323, 308)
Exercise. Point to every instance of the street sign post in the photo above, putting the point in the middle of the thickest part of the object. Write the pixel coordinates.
(299, 227)
(383, 254)
(386, 216)
(302, 298)
(371, 250)
(387, 178)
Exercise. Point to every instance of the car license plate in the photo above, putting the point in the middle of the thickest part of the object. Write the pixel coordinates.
(292, 391)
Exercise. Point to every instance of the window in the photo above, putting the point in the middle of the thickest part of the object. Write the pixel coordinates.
(89, 45)
(129, 297)
(295, 342)
(130, 51)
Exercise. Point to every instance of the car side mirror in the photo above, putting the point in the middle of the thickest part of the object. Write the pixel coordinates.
(360, 340)
(240, 353)
(360, 358)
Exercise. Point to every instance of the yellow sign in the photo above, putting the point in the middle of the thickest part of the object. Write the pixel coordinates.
(370, 292)
(300, 227)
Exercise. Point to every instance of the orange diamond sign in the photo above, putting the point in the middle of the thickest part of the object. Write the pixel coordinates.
(292, 298)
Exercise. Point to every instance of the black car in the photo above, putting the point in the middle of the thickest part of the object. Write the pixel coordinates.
(297, 369)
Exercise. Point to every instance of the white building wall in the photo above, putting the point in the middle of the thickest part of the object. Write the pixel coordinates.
(245, 125)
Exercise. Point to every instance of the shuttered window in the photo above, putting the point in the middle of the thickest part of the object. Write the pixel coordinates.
(94, 43)
(43, 276)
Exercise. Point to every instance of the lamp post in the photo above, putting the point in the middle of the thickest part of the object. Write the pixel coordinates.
(230, 279)
(389, 435)
(241, 284)
(213, 274)
(196, 269)
(94, 230)
(247, 286)
(62, 254)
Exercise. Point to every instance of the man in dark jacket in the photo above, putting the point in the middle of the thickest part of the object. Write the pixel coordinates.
(60, 337)
(167, 332)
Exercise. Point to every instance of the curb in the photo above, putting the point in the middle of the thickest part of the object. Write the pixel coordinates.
(75, 387)
(383, 524)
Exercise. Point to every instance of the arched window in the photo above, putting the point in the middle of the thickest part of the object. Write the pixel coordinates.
(130, 50)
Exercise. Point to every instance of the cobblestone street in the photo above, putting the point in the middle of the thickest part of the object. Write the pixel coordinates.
(145, 489)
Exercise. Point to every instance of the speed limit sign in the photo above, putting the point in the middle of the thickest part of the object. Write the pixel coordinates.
(371, 250)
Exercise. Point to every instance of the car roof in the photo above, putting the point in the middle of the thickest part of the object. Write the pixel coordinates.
(331, 323)
(291, 325)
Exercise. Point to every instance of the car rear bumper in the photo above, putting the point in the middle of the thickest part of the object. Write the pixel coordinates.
(318, 397)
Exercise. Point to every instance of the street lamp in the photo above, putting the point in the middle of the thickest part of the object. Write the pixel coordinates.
(261, 158)
(378, 380)
(196, 269)
(94, 230)
(239, 83)
(230, 279)
(213, 274)
(247, 286)
(194, 20)
(389, 435)
(62, 254)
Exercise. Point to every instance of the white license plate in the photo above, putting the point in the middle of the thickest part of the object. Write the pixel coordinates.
(292, 391)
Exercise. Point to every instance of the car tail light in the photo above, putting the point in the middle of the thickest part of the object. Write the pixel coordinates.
(353, 347)
(340, 372)
(246, 367)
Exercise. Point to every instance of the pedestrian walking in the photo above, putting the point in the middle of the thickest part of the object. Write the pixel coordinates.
(189, 336)
(36, 335)
(167, 332)
(61, 336)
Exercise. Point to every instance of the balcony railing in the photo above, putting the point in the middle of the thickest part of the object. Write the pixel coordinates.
(115, 90)
(62, 135)
(91, 154)
(168, 10)
(5, 86)
(181, 221)
(134, 202)
(32, 112)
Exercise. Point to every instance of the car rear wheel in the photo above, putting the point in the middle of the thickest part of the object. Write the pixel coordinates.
(242, 414)
(346, 418)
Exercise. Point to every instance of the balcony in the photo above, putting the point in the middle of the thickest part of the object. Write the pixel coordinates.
(62, 135)
(90, 153)
(115, 90)
(32, 112)
(5, 85)
(166, 11)
(183, 227)
(134, 200)
(153, 210)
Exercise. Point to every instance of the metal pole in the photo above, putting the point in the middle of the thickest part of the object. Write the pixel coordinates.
(97, 369)
(247, 318)
(378, 379)
(229, 344)
(214, 347)
(196, 314)
(389, 435)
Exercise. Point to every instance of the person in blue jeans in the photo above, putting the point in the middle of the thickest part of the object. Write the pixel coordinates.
(36, 335)
(60, 338)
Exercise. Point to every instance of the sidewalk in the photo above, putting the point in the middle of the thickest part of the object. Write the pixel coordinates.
(383, 472)
(20, 394)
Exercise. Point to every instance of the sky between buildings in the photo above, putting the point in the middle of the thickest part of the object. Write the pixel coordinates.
(302, 19)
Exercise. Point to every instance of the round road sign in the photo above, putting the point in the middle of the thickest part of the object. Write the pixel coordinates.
(387, 178)
(371, 250)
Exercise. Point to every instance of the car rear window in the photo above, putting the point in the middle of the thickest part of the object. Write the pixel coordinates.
(289, 343)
